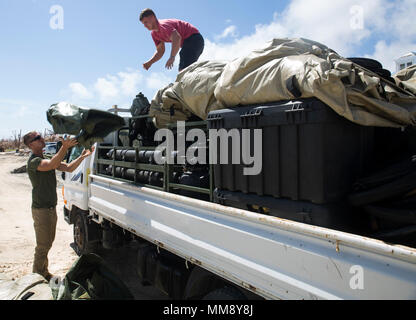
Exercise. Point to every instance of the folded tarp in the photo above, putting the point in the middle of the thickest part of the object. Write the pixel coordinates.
(30, 287)
(88, 279)
(191, 94)
(91, 279)
(286, 69)
(89, 125)
(406, 79)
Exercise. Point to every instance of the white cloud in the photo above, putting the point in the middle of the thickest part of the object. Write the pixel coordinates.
(23, 111)
(130, 82)
(79, 91)
(17, 114)
(243, 45)
(341, 25)
(107, 89)
(333, 23)
(403, 22)
(401, 29)
(158, 80)
(119, 89)
(230, 31)
(17, 108)
(346, 26)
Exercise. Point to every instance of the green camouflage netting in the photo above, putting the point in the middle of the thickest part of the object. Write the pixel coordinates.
(89, 125)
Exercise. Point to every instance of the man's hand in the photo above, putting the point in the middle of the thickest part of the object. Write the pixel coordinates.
(65, 167)
(86, 153)
(68, 143)
(147, 65)
(169, 64)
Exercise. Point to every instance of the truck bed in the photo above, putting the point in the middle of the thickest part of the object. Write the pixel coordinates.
(272, 257)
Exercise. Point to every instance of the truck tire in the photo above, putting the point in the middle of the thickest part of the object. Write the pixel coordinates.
(82, 243)
(225, 293)
(367, 63)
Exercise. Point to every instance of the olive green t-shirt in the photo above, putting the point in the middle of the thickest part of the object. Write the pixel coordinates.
(43, 183)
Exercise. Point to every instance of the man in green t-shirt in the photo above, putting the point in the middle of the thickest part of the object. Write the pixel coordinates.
(42, 175)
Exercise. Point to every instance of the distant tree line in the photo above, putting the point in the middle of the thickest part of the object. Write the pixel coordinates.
(16, 140)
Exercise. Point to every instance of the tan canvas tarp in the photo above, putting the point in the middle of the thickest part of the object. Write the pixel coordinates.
(29, 287)
(192, 93)
(262, 76)
(406, 78)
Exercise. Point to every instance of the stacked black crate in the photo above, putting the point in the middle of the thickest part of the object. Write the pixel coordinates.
(310, 159)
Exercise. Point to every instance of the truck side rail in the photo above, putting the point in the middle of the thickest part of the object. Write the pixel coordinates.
(272, 257)
(166, 169)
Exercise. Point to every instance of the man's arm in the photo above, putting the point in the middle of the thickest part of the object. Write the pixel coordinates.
(55, 162)
(176, 45)
(160, 51)
(64, 167)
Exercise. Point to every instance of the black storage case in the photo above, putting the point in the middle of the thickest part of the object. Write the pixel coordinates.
(309, 152)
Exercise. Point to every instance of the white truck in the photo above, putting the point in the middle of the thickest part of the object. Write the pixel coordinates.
(198, 249)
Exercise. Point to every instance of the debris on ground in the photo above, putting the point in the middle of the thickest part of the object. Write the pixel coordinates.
(19, 170)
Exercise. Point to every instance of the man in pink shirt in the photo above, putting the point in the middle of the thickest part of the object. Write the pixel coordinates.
(180, 33)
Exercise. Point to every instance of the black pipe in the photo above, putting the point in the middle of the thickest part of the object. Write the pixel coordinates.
(396, 233)
(393, 214)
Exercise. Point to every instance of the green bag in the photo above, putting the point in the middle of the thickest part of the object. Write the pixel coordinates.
(140, 106)
(90, 279)
(89, 125)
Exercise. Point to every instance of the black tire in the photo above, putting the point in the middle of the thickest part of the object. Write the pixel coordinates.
(81, 243)
(369, 64)
(225, 293)
(384, 73)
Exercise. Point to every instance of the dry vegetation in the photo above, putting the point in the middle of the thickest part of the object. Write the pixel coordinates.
(15, 142)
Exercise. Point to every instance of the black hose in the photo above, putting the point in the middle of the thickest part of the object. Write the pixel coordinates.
(396, 233)
(393, 214)
(383, 192)
(386, 175)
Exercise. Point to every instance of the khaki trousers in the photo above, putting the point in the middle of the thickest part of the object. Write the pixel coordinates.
(45, 227)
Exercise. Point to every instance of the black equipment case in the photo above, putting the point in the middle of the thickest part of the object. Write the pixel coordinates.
(309, 152)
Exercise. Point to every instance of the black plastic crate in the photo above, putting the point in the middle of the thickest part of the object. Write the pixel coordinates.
(309, 152)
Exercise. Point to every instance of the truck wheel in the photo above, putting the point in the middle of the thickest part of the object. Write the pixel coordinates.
(81, 243)
(225, 293)
(369, 64)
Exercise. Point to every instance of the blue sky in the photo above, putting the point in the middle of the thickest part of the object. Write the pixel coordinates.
(95, 60)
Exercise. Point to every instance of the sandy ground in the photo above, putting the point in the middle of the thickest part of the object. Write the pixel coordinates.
(17, 236)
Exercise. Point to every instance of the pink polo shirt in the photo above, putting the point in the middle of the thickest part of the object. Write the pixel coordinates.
(167, 26)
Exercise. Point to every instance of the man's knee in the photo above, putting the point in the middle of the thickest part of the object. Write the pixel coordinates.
(42, 250)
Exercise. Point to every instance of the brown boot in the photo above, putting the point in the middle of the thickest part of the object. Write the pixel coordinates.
(48, 276)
